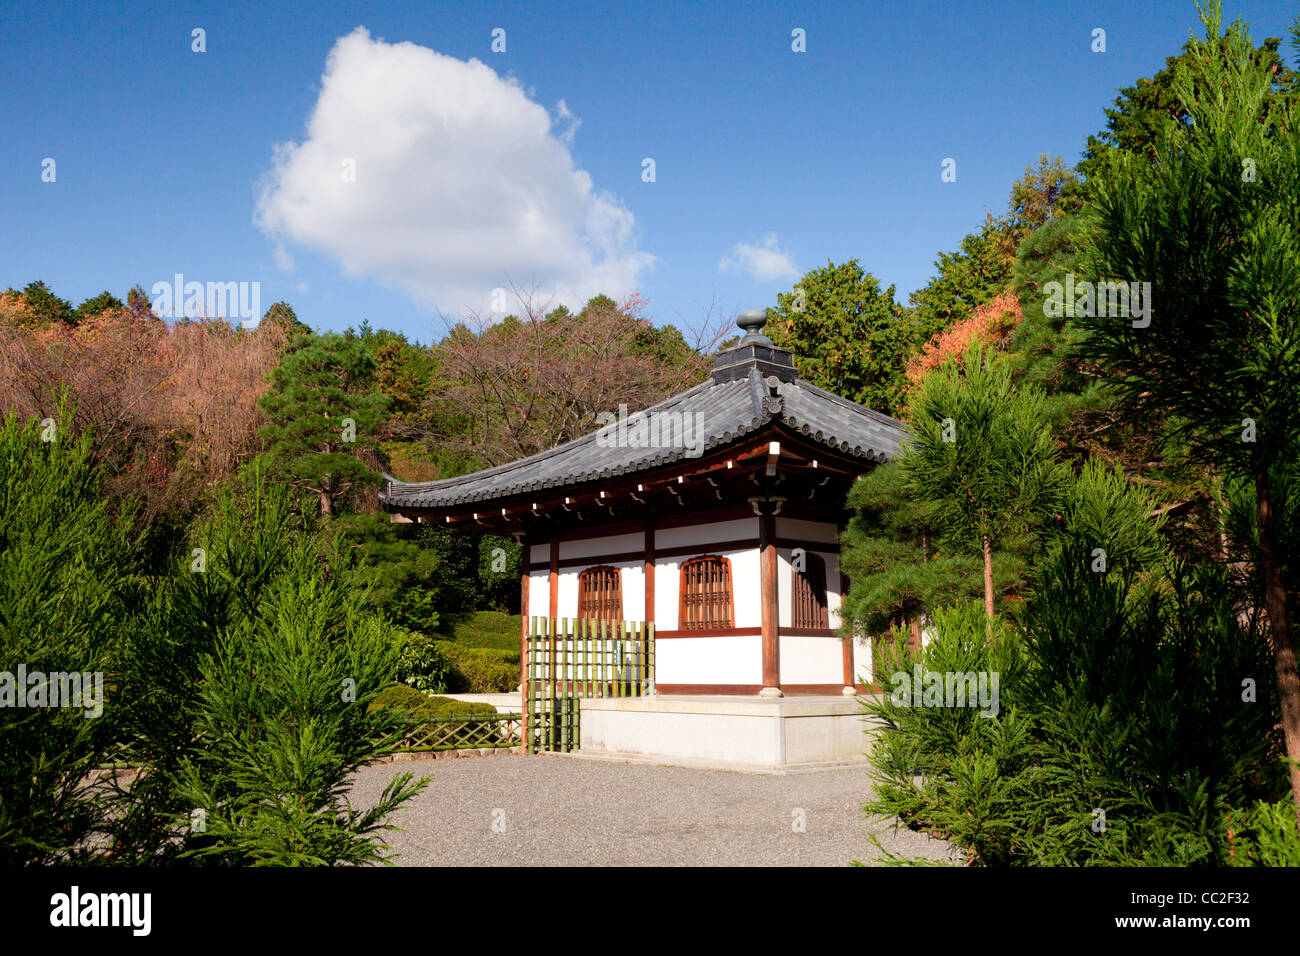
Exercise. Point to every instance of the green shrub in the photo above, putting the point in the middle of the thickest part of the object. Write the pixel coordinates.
(492, 629)
(1264, 835)
(413, 704)
(276, 659)
(421, 664)
(477, 670)
(1124, 736)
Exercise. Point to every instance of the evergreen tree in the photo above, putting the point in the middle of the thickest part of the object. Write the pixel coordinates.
(891, 552)
(1212, 222)
(322, 411)
(66, 563)
(982, 454)
(138, 303)
(1146, 111)
(848, 335)
(46, 307)
(95, 305)
(251, 690)
(282, 314)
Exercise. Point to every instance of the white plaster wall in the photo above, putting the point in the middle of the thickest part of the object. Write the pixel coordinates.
(746, 587)
(632, 574)
(666, 582)
(812, 660)
(834, 599)
(539, 552)
(709, 660)
(817, 531)
(701, 534)
(862, 671)
(784, 586)
(595, 547)
(539, 594)
(567, 606)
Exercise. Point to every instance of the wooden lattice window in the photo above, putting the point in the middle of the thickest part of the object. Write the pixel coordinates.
(808, 594)
(600, 594)
(705, 595)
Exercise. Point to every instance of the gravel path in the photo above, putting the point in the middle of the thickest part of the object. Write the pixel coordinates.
(552, 810)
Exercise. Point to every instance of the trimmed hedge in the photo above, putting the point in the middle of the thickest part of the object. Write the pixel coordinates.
(480, 670)
(411, 703)
(482, 629)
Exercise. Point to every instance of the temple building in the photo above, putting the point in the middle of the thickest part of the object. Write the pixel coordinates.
(715, 514)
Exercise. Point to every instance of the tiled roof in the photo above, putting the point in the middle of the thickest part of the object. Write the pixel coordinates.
(727, 410)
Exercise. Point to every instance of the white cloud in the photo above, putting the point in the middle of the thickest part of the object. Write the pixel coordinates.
(765, 262)
(461, 184)
(283, 260)
(566, 115)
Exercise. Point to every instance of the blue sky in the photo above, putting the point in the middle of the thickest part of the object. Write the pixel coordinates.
(528, 167)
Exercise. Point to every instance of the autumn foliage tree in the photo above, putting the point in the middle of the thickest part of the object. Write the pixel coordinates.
(170, 409)
(531, 382)
(987, 325)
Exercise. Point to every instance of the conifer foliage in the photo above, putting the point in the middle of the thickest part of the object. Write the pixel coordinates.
(65, 573)
(1212, 223)
(290, 659)
(982, 454)
(323, 410)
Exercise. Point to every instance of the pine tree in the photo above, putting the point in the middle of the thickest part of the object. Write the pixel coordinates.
(323, 410)
(892, 555)
(982, 454)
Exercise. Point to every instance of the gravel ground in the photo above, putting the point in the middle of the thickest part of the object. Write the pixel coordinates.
(552, 810)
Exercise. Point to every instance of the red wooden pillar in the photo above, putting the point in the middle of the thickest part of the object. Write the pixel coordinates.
(555, 576)
(524, 581)
(649, 569)
(768, 600)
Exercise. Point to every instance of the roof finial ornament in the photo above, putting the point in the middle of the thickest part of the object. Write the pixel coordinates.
(752, 321)
(754, 352)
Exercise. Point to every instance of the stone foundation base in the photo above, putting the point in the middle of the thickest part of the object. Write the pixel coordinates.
(744, 732)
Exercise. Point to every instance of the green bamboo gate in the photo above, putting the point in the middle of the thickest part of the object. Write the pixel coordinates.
(568, 660)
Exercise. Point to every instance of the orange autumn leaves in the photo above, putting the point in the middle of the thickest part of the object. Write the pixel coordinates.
(988, 324)
(172, 408)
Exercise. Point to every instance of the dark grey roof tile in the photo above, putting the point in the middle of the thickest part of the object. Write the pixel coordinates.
(728, 410)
